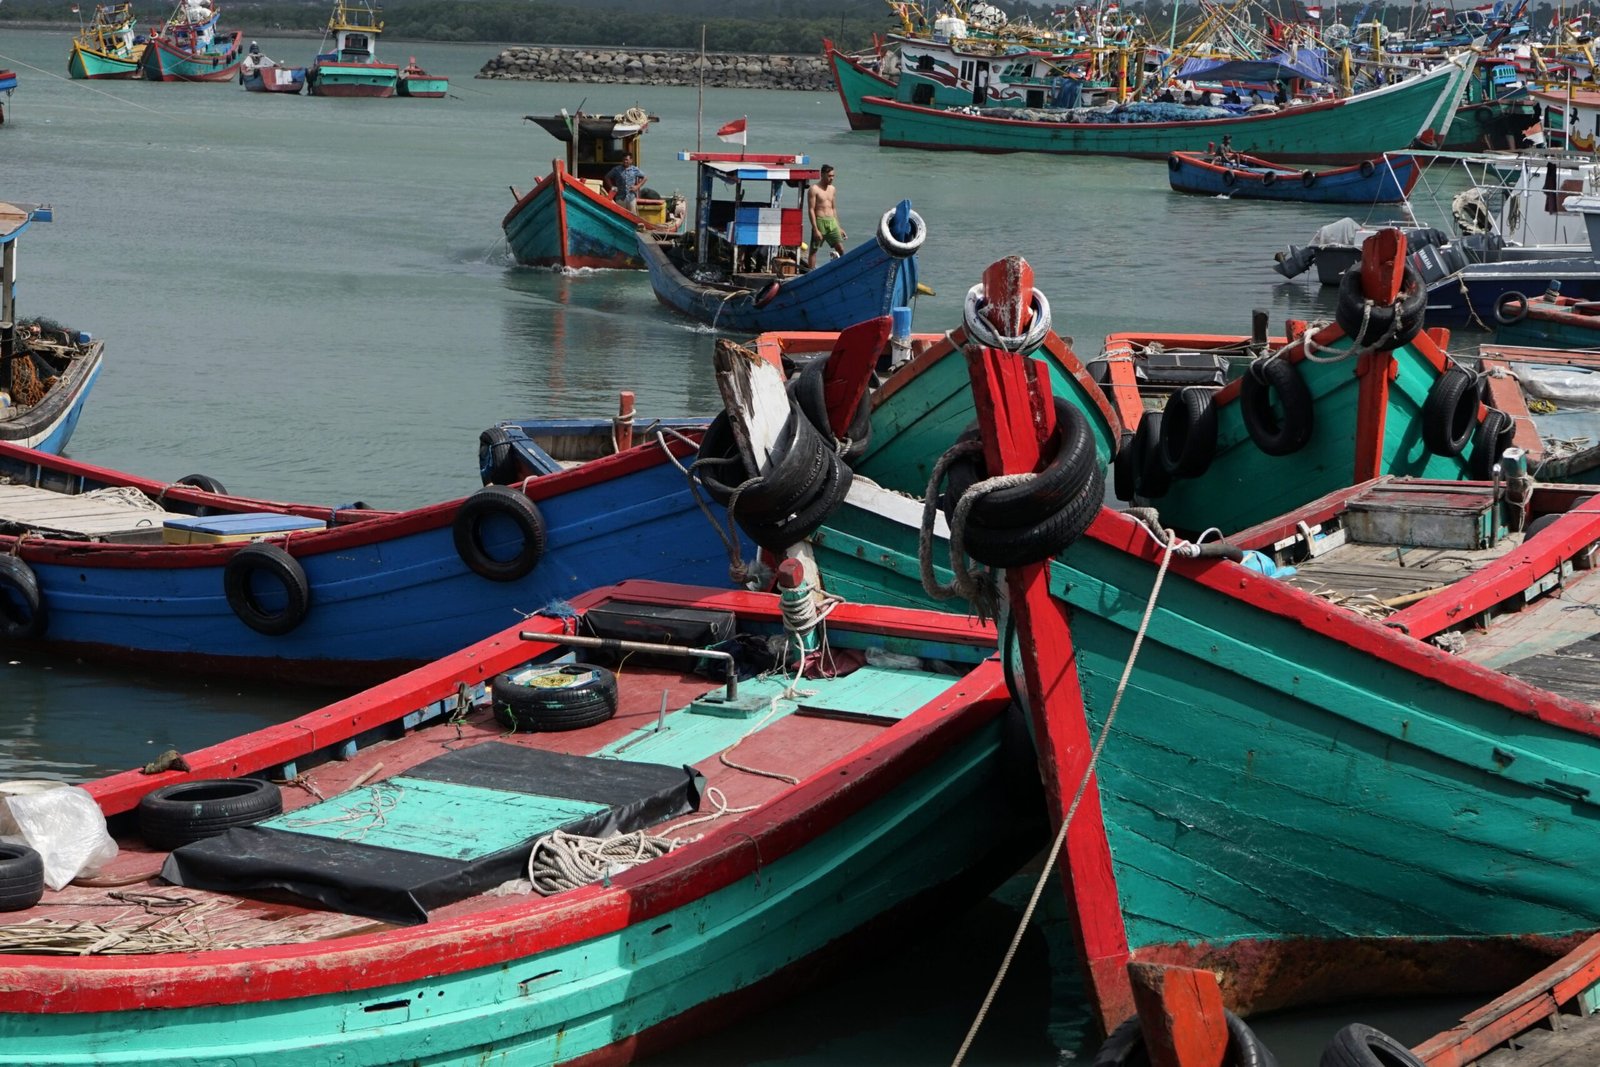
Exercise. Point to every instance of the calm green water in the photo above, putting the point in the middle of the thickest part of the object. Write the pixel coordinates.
(310, 299)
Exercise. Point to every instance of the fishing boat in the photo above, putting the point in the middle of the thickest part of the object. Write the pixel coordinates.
(1384, 180)
(1345, 130)
(513, 450)
(100, 564)
(351, 67)
(1547, 320)
(8, 85)
(523, 852)
(414, 81)
(741, 268)
(855, 80)
(261, 74)
(1376, 690)
(109, 47)
(46, 370)
(189, 47)
(567, 219)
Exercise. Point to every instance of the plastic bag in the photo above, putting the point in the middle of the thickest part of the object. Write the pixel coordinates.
(68, 830)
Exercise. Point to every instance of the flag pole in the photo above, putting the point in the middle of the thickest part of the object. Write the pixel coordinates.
(700, 99)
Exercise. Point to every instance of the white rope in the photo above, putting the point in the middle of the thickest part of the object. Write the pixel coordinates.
(977, 586)
(981, 331)
(124, 495)
(561, 861)
(1077, 796)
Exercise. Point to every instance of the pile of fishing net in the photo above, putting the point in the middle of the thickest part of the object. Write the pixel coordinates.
(1111, 114)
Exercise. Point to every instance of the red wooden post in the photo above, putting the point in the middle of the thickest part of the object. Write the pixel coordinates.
(1181, 1014)
(622, 428)
(1383, 264)
(848, 371)
(1123, 385)
(1017, 418)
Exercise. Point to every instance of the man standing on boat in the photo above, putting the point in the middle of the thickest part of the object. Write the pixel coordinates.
(820, 205)
(625, 180)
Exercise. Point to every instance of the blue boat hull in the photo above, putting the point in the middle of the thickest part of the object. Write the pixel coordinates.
(47, 426)
(385, 593)
(1469, 297)
(864, 283)
(1385, 185)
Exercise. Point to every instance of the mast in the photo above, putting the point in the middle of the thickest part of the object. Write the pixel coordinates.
(700, 96)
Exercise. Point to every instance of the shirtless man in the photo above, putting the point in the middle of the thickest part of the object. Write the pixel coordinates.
(820, 205)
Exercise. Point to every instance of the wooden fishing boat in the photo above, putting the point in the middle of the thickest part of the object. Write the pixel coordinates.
(413, 867)
(189, 47)
(351, 67)
(109, 46)
(108, 565)
(1547, 320)
(516, 449)
(1346, 130)
(855, 81)
(414, 81)
(740, 269)
(1384, 180)
(46, 370)
(1376, 691)
(261, 74)
(567, 220)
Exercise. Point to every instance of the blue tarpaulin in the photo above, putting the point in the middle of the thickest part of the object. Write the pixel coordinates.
(1308, 63)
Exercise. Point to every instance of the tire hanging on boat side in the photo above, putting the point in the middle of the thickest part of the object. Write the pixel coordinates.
(497, 505)
(1359, 1045)
(262, 562)
(1492, 437)
(1125, 1047)
(1188, 441)
(1263, 380)
(22, 606)
(1450, 412)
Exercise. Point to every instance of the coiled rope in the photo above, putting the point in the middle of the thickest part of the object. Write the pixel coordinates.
(1169, 549)
(562, 861)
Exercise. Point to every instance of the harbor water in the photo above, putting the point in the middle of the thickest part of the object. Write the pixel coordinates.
(310, 299)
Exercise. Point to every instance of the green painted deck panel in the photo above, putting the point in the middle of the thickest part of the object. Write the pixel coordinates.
(1329, 804)
(443, 819)
(587, 995)
(890, 693)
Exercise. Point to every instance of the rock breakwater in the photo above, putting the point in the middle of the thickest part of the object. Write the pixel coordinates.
(611, 66)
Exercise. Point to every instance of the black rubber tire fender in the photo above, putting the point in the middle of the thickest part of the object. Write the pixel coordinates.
(1411, 309)
(1054, 488)
(795, 473)
(1359, 1045)
(1274, 436)
(1308, 178)
(1124, 469)
(497, 463)
(1450, 413)
(499, 502)
(1518, 305)
(778, 534)
(203, 482)
(1539, 525)
(1050, 536)
(175, 815)
(718, 464)
(1368, 168)
(1188, 440)
(580, 694)
(1174, 164)
(1269, 179)
(1229, 178)
(1492, 437)
(1125, 1046)
(1152, 479)
(272, 563)
(809, 393)
(22, 607)
(21, 877)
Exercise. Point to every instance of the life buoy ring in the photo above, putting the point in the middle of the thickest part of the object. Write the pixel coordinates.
(1229, 178)
(892, 244)
(1273, 436)
(767, 293)
(1450, 412)
(22, 609)
(175, 815)
(1511, 308)
(474, 532)
(1359, 1045)
(1188, 433)
(1269, 178)
(1308, 178)
(1174, 164)
(272, 565)
(1367, 169)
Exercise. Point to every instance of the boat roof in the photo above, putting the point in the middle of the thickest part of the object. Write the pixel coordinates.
(14, 218)
(732, 168)
(564, 127)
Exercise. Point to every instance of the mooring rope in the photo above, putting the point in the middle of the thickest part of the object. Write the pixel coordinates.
(1077, 796)
(562, 861)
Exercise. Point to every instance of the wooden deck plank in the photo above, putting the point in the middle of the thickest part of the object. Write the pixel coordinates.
(1575, 1044)
(97, 517)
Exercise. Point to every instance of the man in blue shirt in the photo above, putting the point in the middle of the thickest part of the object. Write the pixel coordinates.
(624, 182)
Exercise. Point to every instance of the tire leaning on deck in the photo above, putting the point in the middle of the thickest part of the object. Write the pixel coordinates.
(21, 877)
(1125, 1046)
(571, 706)
(1359, 1045)
(175, 815)
(22, 607)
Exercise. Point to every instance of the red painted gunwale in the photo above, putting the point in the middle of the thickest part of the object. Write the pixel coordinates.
(517, 930)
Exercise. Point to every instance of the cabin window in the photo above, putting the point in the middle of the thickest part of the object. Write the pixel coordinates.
(966, 71)
(356, 42)
(925, 64)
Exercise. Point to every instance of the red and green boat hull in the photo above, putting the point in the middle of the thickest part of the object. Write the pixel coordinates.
(855, 83)
(561, 222)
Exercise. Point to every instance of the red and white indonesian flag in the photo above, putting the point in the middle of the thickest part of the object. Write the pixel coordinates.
(1438, 14)
(1112, 9)
(1313, 12)
(733, 132)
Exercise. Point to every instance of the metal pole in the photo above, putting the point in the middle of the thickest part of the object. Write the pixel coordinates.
(700, 99)
(616, 644)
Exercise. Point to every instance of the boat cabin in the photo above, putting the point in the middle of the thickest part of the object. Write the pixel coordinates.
(14, 219)
(596, 143)
(742, 223)
(356, 28)
(192, 27)
(112, 29)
